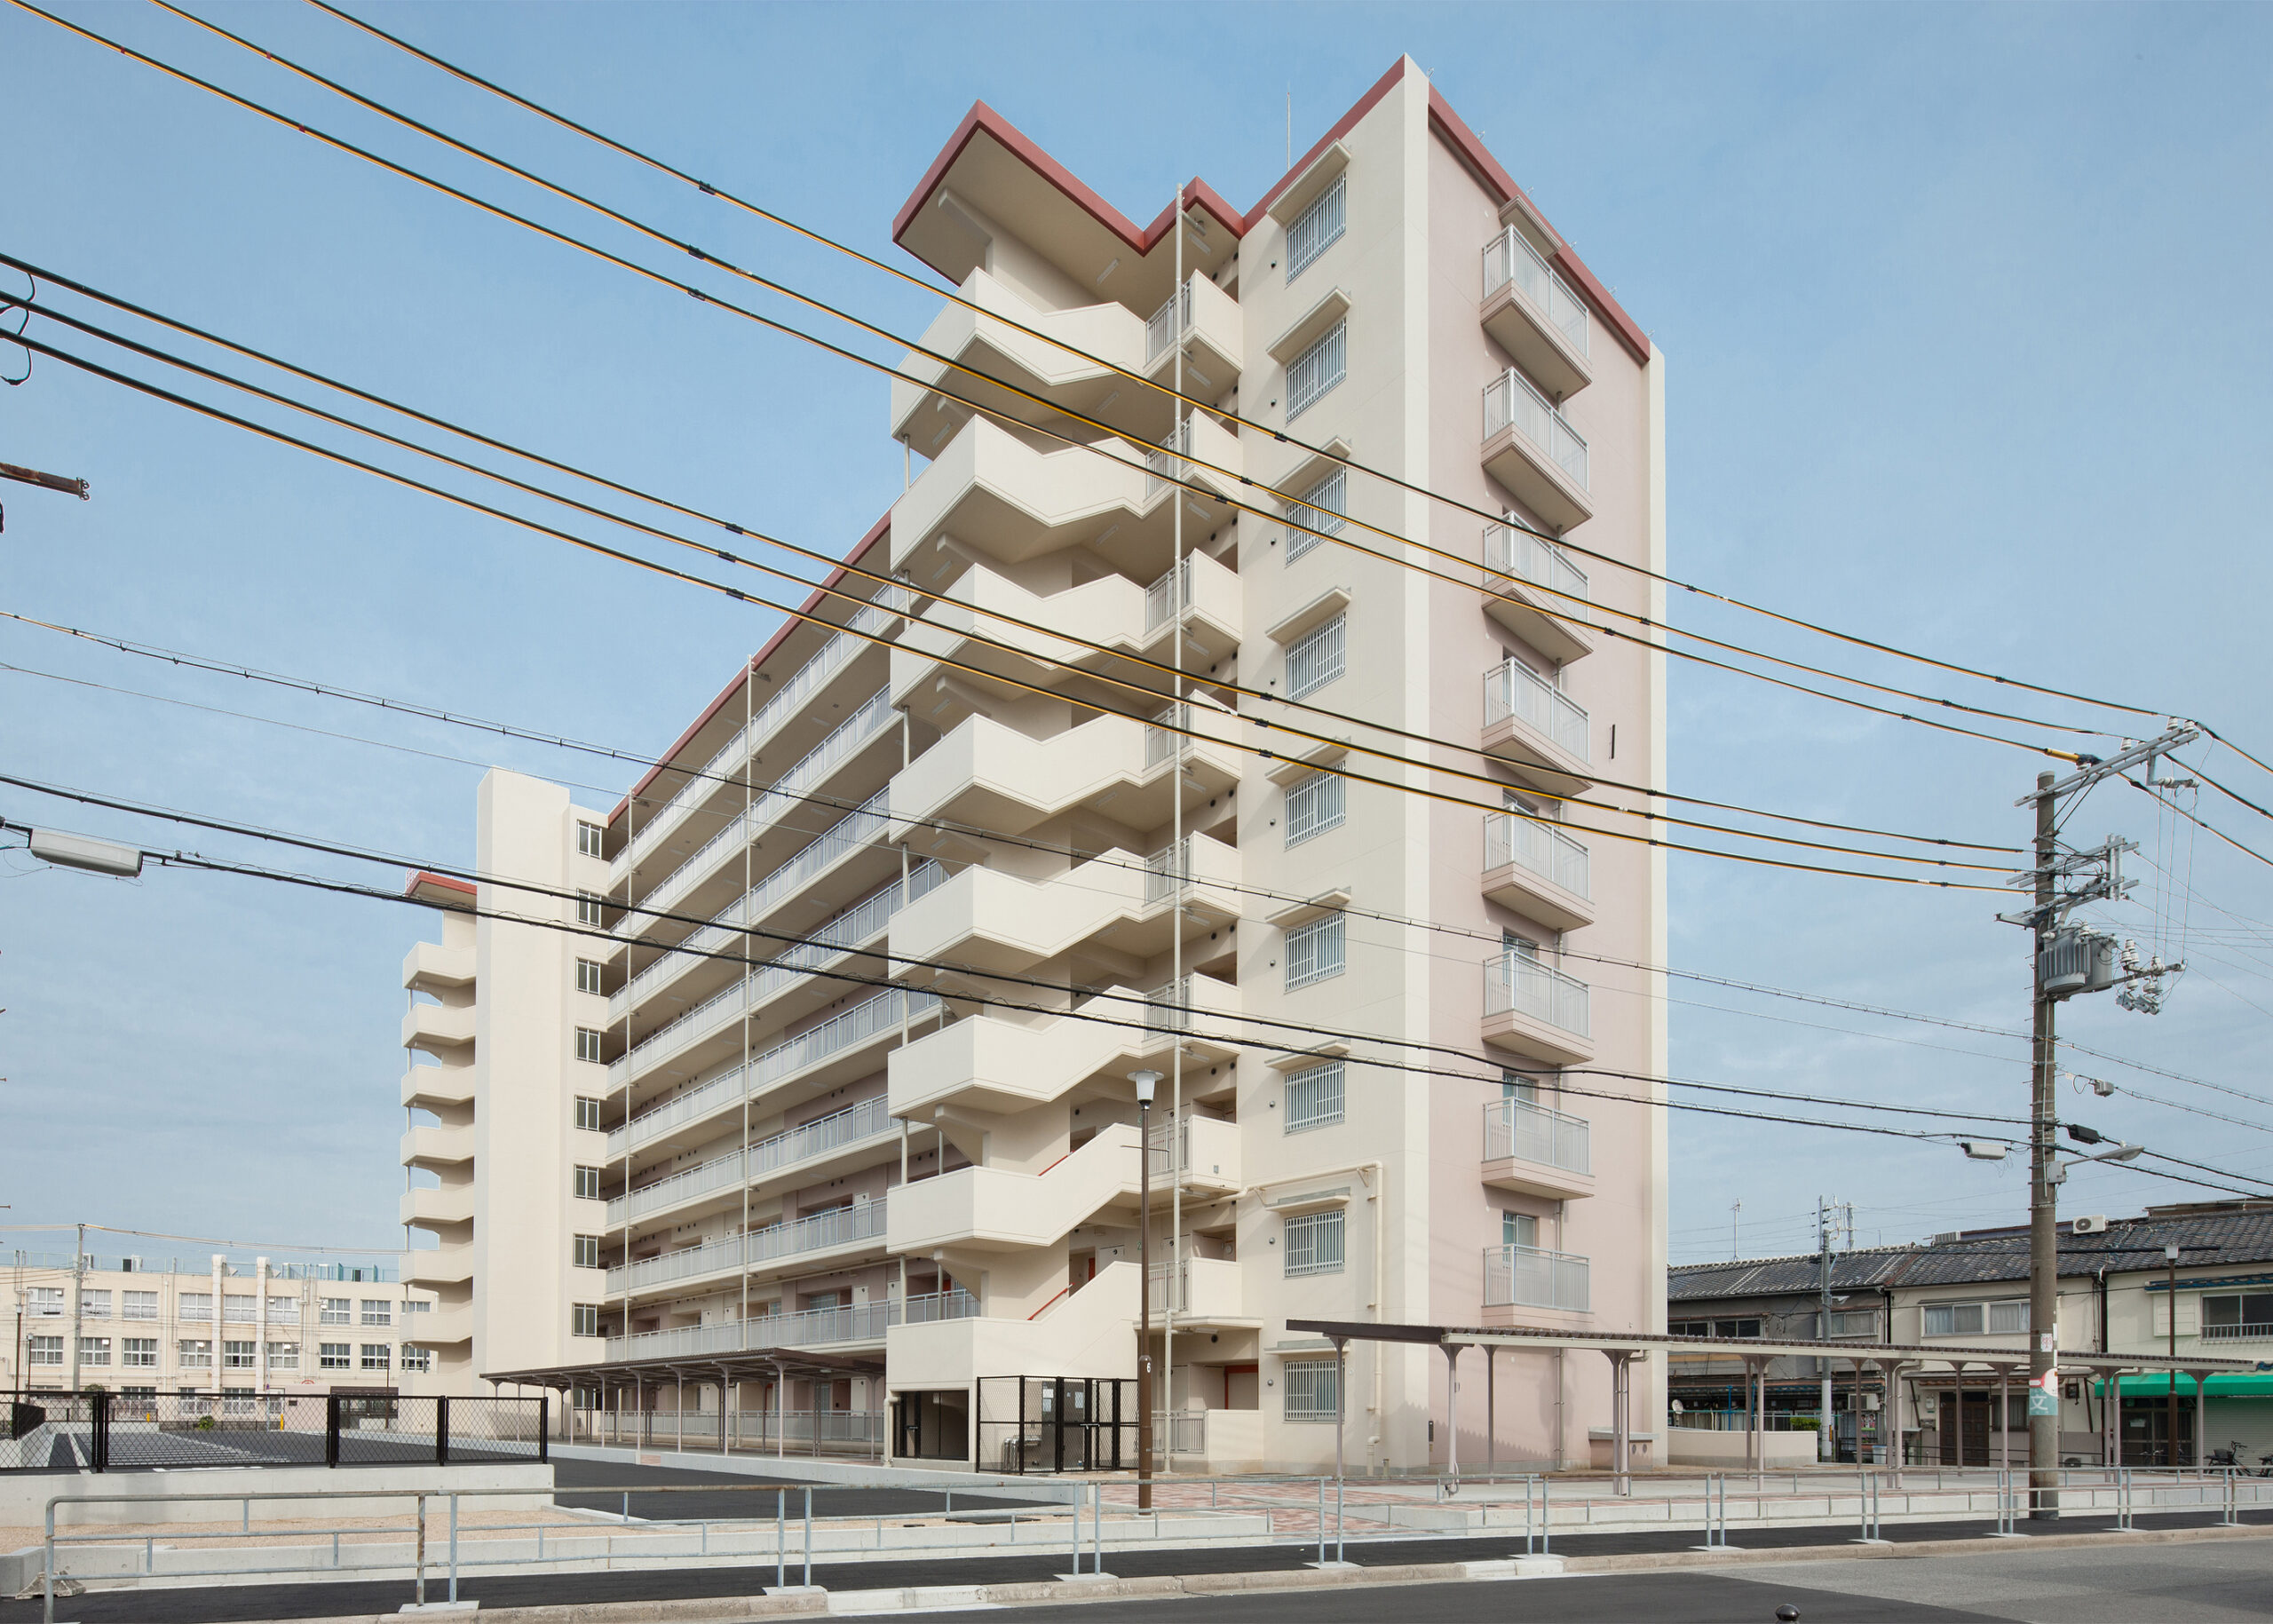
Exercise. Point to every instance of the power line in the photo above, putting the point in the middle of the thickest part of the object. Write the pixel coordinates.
(816, 556)
(956, 296)
(1341, 537)
(1166, 724)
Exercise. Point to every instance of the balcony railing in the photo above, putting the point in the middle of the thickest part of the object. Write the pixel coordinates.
(933, 1307)
(1516, 1130)
(868, 1120)
(1528, 844)
(1528, 1277)
(854, 1027)
(1516, 983)
(809, 1327)
(2237, 1333)
(1168, 871)
(1512, 689)
(1509, 399)
(1510, 552)
(1168, 596)
(1164, 463)
(1165, 325)
(1509, 258)
(838, 1226)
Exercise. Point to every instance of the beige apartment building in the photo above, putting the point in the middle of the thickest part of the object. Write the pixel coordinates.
(810, 1089)
(139, 1326)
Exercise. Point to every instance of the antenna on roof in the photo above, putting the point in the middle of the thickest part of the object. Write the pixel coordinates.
(1290, 124)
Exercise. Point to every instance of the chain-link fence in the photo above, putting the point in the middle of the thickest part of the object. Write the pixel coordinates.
(101, 1431)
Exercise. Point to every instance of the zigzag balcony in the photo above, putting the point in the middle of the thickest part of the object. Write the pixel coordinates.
(1211, 328)
(441, 1030)
(836, 1236)
(996, 1064)
(1089, 1332)
(439, 1207)
(820, 1148)
(430, 1088)
(434, 1147)
(430, 967)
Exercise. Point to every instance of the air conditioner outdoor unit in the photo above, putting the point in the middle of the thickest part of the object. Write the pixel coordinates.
(2093, 1223)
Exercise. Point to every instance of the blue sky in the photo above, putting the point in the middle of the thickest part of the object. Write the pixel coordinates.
(1967, 351)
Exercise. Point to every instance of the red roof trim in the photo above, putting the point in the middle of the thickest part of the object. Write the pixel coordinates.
(422, 879)
(1463, 140)
(790, 622)
(1348, 121)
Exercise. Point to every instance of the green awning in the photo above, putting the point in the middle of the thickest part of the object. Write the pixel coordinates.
(2255, 1385)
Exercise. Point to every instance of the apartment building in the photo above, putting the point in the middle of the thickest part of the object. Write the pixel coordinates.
(139, 1327)
(2119, 1287)
(812, 1088)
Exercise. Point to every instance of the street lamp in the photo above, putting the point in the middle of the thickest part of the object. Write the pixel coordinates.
(2170, 1416)
(1145, 1081)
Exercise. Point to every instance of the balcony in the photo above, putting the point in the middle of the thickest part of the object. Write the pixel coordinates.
(1527, 1277)
(439, 1029)
(1542, 595)
(991, 776)
(1200, 451)
(992, 1063)
(809, 1242)
(990, 923)
(2252, 1331)
(1208, 1293)
(1091, 1330)
(1531, 448)
(440, 1325)
(1203, 1154)
(435, 1147)
(439, 1268)
(860, 1324)
(444, 1207)
(1537, 870)
(1534, 1150)
(431, 1088)
(921, 414)
(976, 612)
(1534, 1012)
(1536, 728)
(991, 1209)
(815, 1149)
(1213, 331)
(428, 967)
(1535, 316)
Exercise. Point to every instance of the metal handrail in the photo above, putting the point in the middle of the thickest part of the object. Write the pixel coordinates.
(1509, 258)
(820, 1232)
(1515, 983)
(1532, 1277)
(1528, 844)
(1510, 399)
(1520, 1130)
(1513, 690)
(1509, 552)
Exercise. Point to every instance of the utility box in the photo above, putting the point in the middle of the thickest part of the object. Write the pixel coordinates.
(2076, 961)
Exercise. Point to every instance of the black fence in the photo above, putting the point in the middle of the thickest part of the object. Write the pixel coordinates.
(101, 1431)
(1056, 1424)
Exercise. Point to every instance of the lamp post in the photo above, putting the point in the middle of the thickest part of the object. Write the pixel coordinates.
(2170, 1420)
(1145, 1081)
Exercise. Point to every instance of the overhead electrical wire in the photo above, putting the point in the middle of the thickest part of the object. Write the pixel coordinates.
(1341, 537)
(954, 296)
(883, 579)
(1163, 724)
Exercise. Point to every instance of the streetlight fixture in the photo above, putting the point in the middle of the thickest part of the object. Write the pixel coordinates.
(1145, 1081)
(2170, 1414)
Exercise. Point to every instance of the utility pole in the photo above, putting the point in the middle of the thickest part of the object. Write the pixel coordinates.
(1736, 1213)
(2064, 962)
(78, 1294)
(1826, 1447)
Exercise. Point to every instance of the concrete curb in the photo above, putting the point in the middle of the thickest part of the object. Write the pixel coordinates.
(732, 1609)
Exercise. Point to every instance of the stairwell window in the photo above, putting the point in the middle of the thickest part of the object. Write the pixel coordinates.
(589, 904)
(1314, 1243)
(588, 1251)
(1315, 951)
(1314, 1097)
(1320, 512)
(1313, 374)
(1313, 1389)
(1315, 805)
(583, 1319)
(588, 1113)
(588, 1044)
(1317, 657)
(589, 838)
(588, 975)
(1318, 227)
(588, 1183)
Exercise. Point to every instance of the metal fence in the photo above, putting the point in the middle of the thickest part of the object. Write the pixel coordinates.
(1057, 1424)
(102, 1431)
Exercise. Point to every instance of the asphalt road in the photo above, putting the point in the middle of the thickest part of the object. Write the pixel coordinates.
(599, 1485)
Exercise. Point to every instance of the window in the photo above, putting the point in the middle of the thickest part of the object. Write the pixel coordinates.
(2005, 1319)
(588, 1113)
(378, 1311)
(583, 1319)
(1313, 1389)
(588, 1251)
(46, 1302)
(417, 1359)
(1518, 1229)
(590, 837)
(589, 904)
(417, 1306)
(2227, 1318)
(283, 1356)
(1318, 227)
(1314, 1097)
(588, 1044)
(94, 1304)
(1317, 657)
(45, 1351)
(1713, 1328)
(1315, 805)
(195, 1305)
(1314, 950)
(588, 975)
(588, 1183)
(1318, 514)
(1316, 370)
(239, 1356)
(1855, 1322)
(377, 1356)
(237, 1308)
(140, 1353)
(1515, 1085)
(94, 1350)
(140, 1305)
(283, 1311)
(333, 1356)
(194, 1355)
(335, 1310)
(1314, 1243)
